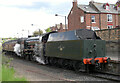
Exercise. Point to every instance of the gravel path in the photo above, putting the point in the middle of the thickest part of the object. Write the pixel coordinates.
(36, 72)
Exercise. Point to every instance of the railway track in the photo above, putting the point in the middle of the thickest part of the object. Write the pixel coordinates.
(111, 77)
(111, 73)
(102, 75)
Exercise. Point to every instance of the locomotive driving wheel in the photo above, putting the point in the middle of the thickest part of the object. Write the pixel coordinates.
(60, 64)
(65, 64)
(50, 61)
(79, 66)
(27, 57)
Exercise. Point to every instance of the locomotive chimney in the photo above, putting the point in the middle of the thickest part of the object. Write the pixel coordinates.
(74, 3)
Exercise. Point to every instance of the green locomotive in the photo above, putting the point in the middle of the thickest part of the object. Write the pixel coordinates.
(79, 49)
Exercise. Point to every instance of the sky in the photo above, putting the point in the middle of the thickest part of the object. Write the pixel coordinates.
(16, 16)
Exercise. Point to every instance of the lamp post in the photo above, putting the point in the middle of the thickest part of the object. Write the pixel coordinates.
(22, 32)
(18, 35)
(65, 21)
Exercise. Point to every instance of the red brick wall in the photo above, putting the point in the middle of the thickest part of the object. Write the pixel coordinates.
(103, 18)
(61, 28)
(74, 19)
(115, 21)
(89, 24)
(104, 22)
(119, 19)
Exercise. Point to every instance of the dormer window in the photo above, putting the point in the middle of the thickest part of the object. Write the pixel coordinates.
(115, 7)
(106, 6)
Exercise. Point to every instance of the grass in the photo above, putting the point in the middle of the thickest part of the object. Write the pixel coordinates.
(8, 73)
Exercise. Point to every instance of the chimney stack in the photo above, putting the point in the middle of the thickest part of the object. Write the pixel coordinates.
(91, 2)
(74, 3)
(61, 26)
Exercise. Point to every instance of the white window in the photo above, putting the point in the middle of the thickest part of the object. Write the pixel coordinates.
(109, 17)
(82, 19)
(93, 19)
(110, 27)
(95, 28)
(107, 7)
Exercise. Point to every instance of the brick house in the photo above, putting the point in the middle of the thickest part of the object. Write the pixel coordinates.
(58, 27)
(95, 16)
(118, 4)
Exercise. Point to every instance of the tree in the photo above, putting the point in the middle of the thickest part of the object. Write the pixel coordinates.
(36, 33)
(48, 30)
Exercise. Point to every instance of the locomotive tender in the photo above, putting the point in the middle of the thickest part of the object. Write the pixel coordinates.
(80, 49)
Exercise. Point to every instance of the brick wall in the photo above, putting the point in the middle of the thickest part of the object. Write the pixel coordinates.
(89, 24)
(74, 21)
(58, 27)
(109, 34)
(112, 37)
(119, 19)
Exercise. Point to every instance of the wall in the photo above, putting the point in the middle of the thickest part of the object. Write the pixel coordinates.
(74, 21)
(89, 24)
(112, 38)
(109, 34)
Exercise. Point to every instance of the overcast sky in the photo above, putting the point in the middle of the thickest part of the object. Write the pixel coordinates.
(16, 16)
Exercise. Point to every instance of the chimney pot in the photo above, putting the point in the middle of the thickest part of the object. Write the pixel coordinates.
(74, 0)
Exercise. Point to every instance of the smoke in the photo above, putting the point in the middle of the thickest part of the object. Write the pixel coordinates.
(17, 49)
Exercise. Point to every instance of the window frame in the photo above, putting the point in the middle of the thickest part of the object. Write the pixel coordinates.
(95, 28)
(110, 26)
(107, 7)
(109, 18)
(82, 19)
(93, 19)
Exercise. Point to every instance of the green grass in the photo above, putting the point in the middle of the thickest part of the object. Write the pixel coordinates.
(8, 74)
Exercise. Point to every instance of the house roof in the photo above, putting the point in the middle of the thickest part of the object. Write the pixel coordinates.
(87, 8)
(98, 8)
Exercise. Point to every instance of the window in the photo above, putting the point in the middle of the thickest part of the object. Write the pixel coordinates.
(82, 19)
(95, 28)
(107, 7)
(109, 17)
(93, 19)
(110, 26)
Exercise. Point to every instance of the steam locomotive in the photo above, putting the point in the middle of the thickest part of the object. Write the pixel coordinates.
(80, 49)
